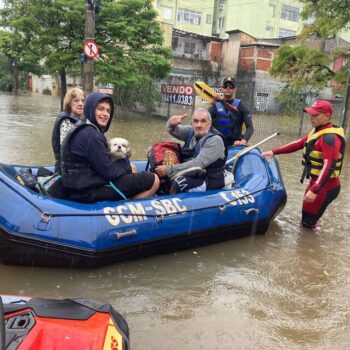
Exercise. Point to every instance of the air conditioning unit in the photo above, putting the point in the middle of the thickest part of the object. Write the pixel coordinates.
(221, 6)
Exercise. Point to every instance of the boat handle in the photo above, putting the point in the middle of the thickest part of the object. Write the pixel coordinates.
(251, 210)
(120, 235)
(160, 218)
(44, 222)
(222, 207)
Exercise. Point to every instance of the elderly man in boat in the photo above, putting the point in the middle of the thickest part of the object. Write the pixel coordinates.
(204, 154)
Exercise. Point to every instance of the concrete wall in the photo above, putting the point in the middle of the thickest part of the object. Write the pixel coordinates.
(198, 46)
(39, 84)
(168, 33)
(45, 82)
(231, 52)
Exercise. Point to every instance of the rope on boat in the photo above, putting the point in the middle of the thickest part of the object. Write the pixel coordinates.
(46, 216)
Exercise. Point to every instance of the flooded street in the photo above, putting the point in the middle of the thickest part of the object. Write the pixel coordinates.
(288, 289)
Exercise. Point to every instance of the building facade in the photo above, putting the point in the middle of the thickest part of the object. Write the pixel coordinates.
(195, 16)
(263, 19)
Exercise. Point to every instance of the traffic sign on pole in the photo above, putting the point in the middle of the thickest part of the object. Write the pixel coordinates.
(90, 49)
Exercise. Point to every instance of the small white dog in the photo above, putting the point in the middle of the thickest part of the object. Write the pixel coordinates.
(119, 148)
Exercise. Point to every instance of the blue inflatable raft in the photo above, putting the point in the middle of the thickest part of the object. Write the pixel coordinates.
(43, 231)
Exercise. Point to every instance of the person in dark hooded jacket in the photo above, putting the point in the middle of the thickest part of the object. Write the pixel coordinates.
(88, 171)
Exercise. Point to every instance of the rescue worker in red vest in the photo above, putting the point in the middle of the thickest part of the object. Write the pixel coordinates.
(229, 115)
(322, 159)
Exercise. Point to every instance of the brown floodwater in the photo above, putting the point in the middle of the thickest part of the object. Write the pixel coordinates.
(288, 289)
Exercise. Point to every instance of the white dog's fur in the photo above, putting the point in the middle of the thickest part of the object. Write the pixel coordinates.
(119, 148)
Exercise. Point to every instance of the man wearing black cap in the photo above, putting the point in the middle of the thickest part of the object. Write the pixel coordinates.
(323, 156)
(229, 114)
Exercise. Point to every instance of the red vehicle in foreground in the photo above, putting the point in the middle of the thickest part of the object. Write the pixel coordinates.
(69, 324)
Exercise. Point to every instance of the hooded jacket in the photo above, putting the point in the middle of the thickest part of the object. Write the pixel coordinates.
(85, 159)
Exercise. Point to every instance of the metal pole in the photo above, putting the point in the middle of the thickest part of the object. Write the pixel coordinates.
(88, 66)
(246, 150)
(301, 122)
(346, 105)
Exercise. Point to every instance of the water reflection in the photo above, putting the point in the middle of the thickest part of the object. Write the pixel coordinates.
(287, 289)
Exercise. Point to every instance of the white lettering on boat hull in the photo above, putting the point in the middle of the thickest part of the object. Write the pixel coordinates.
(237, 197)
(136, 212)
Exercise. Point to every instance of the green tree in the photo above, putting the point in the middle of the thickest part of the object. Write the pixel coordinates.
(135, 57)
(328, 19)
(290, 100)
(20, 58)
(5, 77)
(302, 67)
(53, 29)
(329, 16)
(129, 37)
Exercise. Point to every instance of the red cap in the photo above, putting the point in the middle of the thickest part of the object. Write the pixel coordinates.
(319, 106)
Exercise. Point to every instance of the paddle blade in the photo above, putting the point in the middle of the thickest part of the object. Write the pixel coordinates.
(205, 91)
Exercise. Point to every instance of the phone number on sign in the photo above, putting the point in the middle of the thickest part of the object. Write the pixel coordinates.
(178, 99)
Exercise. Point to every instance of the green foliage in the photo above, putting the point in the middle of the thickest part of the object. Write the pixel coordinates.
(301, 67)
(290, 100)
(20, 58)
(341, 76)
(135, 54)
(52, 31)
(329, 16)
(131, 97)
(5, 76)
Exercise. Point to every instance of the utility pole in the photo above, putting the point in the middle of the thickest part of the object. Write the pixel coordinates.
(88, 70)
(346, 105)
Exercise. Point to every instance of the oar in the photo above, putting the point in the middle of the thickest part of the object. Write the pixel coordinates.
(206, 92)
(246, 150)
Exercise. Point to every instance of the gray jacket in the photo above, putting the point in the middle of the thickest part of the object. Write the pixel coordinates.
(212, 150)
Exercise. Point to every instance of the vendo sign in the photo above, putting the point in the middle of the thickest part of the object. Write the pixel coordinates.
(177, 94)
(177, 89)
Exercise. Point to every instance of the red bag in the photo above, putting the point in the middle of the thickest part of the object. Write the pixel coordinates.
(164, 153)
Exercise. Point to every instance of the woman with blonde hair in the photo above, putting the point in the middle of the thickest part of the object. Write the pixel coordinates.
(73, 111)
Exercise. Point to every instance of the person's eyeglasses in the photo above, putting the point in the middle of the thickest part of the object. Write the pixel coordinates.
(228, 87)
